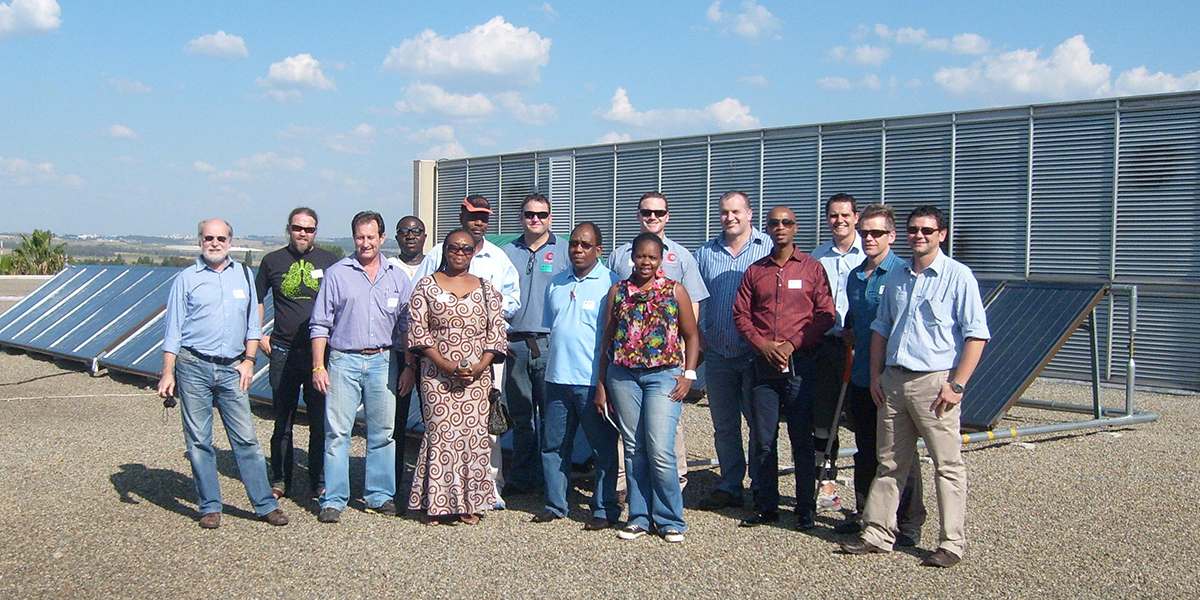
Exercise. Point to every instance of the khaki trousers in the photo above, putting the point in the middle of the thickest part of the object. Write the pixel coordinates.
(904, 417)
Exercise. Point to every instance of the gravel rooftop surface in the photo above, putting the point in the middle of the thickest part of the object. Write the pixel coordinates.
(102, 505)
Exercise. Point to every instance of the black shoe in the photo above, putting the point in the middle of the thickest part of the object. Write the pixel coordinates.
(329, 515)
(850, 526)
(908, 540)
(719, 499)
(861, 546)
(597, 524)
(387, 508)
(544, 517)
(805, 523)
(941, 558)
(759, 518)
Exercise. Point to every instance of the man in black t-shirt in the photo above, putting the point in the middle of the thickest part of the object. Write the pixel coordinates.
(293, 274)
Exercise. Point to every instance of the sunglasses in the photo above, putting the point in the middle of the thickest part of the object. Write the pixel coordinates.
(875, 233)
(403, 231)
(542, 215)
(220, 238)
(457, 249)
(925, 231)
(648, 212)
(778, 222)
(581, 244)
(299, 228)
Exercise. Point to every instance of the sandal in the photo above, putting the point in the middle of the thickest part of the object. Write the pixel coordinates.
(429, 519)
(469, 519)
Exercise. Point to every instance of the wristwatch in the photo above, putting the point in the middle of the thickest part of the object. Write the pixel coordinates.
(957, 387)
(689, 375)
(249, 358)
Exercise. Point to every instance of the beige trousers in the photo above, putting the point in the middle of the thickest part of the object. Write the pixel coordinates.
(905, 417)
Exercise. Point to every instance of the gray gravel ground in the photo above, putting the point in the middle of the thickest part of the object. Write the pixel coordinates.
(101, 505)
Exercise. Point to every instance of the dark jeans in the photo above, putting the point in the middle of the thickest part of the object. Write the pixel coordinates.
(862, 419)
(792, 399)
(400, 434)
(525, 394)
(291, 370)
(830, 366)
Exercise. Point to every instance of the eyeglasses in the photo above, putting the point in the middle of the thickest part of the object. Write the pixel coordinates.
(778, 222)
(649, 212)
(580, 244)
(299, 228)
(220, 238)
(463, 249)
(542, 215)
(925, 231)
(875, 233)
(403, 231)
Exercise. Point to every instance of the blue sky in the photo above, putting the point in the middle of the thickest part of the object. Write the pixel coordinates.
(145, 117)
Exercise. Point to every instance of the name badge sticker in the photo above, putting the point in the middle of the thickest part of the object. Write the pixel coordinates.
(317, 273)
(444, 298)
(547, 268)
(239, 294)
(795, 284)
(393, 302)
(589, 305)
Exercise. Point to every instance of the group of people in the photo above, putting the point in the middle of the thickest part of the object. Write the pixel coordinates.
(607, 347)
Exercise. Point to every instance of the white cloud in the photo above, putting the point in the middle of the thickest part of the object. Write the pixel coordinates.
(29, 16)
(23, 172)
(218, 45)
(447, 150)
(128, 86)
(1141, 81)
(728, 114)
(229, 175)
(969, 43)
(1068, 72)
(339, 178)
(364, 129)
(428, 98)
(613, 137)
(834, 83)
(203, 167)
(495, 52)
(282, 96)
(355, 141)
(865, 54)
(528, 114)
(908, 35)
(754, 80)
(870, 81)
(287, 77)
(883, 31)
(437, 133)
(549, 10)
(269, 161)
(753, 22)
(963, 43)
(72, 181)
(121, 131)
(126, 160)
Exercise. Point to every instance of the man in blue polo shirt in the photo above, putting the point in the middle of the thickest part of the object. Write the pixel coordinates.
(574, 313)
(864, 286)
(209, 345)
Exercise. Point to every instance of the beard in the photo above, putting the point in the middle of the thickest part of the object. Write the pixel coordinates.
(215, 257)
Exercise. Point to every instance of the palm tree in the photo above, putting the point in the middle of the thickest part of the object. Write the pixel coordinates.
(37, 256)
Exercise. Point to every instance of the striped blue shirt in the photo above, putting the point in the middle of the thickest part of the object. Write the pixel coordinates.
(837, 269)
(212, 313)
(722, 274)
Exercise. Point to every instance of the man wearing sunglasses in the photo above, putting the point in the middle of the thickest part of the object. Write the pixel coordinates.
(210, 340)
(293, 275)
(927, 338)
(678, 264)
(539, 255)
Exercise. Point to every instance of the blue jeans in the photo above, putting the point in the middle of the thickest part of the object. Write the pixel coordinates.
(567, 408)
(792, 399)
(369, 379)
(729, 382)
(291, 370)
(648, 418)
(202, 385)
(525, 393)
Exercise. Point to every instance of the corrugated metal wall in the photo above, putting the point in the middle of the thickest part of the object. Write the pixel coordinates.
(1104, 190)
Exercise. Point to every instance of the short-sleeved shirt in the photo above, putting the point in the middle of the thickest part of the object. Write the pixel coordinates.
(927, 317)
(678, 264)
(294, 280)
(490, 263)
(410, 270)
(574, 314)
(722, 273)
(535, 269)
(862, 292)
(837, 269)
(356, 313)
(212, 313)
(788, 303)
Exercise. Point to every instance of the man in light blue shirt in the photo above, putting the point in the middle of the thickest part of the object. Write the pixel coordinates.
(209, 345)
(360, 314)
(927, 338)
(574, 313)
(729, 360)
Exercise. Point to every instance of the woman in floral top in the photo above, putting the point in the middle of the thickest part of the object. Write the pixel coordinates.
(649, 334)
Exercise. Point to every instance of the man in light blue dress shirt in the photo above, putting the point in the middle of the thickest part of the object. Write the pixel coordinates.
(927, 338)
(729, 360)
(209, 344)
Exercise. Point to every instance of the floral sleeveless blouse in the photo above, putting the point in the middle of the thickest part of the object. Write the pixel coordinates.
(647, 325)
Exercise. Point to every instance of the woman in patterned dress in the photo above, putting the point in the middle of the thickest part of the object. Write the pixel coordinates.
(457, 331)
(640, 369)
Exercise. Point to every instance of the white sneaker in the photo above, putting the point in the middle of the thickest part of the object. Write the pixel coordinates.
(828, 503)
(631, 532)
(672, 536)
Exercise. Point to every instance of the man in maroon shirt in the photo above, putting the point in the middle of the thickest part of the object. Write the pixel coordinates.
(783, 307)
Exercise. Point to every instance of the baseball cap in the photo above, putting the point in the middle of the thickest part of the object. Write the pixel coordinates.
(477, 203)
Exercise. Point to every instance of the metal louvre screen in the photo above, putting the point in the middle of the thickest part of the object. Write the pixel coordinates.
(516, 182)
(594, 192)
(452, 188)
(684, 183)
(790, 179)
(850, 164)
(732, 166)
(483, 178)
(554, 182)
(991, 193)
(637, 173)
(916, 171)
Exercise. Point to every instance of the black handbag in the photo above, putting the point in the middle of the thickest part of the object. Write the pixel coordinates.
(499, 421)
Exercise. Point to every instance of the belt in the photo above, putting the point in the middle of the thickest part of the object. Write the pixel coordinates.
(910, 371)
(216, 360)
(367, 351)
(517, 336)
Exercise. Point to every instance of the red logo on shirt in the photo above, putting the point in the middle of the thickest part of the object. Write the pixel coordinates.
(549, 257)
(671, 258)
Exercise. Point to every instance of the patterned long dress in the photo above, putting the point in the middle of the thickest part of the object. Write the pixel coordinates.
(451, 476)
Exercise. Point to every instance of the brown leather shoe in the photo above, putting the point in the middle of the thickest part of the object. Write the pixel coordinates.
(861, 546)
(210, 520)
(544, 517)
(941, 558)
(275, 517)
(597, 524)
